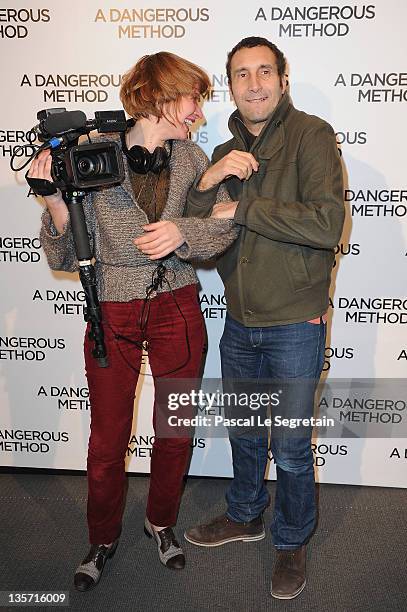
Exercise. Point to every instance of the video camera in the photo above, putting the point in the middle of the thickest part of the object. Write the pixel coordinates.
(76, 166)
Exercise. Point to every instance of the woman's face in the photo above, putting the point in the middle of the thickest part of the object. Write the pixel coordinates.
(182, 117)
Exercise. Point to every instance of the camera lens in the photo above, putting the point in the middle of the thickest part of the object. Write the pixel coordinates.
(86, 166)
(92, 165)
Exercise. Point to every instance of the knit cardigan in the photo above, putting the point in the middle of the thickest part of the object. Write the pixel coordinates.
(114, 219)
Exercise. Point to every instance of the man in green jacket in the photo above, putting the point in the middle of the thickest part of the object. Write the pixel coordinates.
(283, 172)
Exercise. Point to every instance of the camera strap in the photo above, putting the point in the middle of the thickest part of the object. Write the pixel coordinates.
(41, 187)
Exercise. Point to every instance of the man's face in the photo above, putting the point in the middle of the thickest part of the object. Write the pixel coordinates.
(255, 85)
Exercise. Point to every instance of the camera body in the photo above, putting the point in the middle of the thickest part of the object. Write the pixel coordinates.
(87, 166)
(82, 166)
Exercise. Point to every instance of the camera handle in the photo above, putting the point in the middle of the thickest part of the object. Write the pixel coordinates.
(87, 276)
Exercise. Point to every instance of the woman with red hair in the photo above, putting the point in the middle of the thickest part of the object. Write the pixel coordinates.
(138, 234)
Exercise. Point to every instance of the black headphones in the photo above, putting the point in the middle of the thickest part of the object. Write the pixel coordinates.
(141, 160)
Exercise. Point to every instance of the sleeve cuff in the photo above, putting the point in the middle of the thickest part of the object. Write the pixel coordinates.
(204, 238)
(49, 228)
(241, 212)
(184, 251)
(202, 199)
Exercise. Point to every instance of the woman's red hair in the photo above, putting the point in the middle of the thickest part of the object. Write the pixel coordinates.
(160, 79)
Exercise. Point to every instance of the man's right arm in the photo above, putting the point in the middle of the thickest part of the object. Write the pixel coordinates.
(206, 189)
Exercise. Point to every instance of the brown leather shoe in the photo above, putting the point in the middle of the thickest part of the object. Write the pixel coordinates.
(288, 579)
(222, 530)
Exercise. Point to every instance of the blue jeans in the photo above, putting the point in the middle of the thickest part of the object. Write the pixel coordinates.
(283, 352)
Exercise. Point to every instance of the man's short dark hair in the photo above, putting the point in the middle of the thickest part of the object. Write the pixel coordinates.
(257, 41)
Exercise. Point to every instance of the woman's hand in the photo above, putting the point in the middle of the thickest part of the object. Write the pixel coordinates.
(41, 168)
(160, 238)
(224, 210)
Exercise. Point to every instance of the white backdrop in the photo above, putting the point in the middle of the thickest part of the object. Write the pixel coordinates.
(347, 65)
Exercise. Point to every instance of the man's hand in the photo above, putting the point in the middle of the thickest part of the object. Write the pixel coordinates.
(235, 163)
(160, 238)
(224, 210)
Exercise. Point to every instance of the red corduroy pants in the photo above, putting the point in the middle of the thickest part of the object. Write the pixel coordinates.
(175, 349)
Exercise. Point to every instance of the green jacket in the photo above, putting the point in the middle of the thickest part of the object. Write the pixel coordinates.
(291, 214)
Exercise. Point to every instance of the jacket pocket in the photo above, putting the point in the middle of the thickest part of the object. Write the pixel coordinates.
(297, 268)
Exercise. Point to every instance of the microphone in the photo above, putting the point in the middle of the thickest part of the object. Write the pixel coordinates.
(60, 123)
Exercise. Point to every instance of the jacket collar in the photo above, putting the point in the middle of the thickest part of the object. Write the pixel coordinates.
(265, 146)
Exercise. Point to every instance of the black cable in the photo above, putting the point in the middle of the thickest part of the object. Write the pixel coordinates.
(34, 154)
(158, 279)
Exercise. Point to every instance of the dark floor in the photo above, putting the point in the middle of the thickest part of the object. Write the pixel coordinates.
(357, 560)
